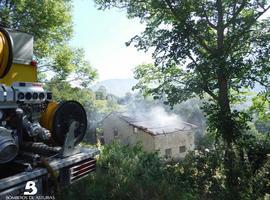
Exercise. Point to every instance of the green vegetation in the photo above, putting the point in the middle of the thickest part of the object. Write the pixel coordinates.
(212, 50)
(125, 172)
(129, 173)
(209, 49)
(50, 22)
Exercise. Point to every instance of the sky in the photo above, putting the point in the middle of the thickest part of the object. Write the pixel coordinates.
(102, 34)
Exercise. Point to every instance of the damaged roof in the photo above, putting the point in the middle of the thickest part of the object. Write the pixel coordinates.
(154, 127)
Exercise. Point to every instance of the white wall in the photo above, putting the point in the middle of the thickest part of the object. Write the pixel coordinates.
(150, 143)
(173, 141)
(126, 134)
(146, 139)
(125, 131)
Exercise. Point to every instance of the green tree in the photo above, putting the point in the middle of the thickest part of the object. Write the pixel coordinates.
(63, 90)
(260, 106)
(128, 172)
(260, 111)
(204, 47)
(101, 93)
(50, 22)
(71, 64)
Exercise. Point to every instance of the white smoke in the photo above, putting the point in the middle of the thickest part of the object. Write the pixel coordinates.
(156, 115)
(160, 116)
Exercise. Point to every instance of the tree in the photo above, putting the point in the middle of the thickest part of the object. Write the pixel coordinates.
(260, 106)
(50, 22)
(101, 93)
(211, 47)
(69, 64)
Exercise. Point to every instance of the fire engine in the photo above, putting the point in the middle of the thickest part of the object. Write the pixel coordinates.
(40, 139)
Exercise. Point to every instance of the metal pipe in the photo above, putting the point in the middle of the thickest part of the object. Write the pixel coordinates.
(8, 147)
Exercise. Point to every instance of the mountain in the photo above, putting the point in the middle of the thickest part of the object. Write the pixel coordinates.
(118, 87)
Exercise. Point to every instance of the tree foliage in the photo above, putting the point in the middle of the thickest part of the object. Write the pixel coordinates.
(50, 22)
(205, 47)
(260, 106)
(126, 172)
(101, 93)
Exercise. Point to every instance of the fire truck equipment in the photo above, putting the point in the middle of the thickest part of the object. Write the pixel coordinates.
(38, 137)
(28, 113)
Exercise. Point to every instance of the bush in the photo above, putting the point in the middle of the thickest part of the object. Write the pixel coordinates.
(125, 172)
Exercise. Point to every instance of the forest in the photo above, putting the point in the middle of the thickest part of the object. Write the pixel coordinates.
(209, 59)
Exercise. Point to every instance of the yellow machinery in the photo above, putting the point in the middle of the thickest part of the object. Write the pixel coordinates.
(22, 69)
(27, 112)
(38, 137)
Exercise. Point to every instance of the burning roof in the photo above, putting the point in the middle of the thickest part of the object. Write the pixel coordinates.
(157, 127)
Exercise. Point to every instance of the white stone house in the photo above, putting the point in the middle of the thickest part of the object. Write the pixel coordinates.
(170, 140)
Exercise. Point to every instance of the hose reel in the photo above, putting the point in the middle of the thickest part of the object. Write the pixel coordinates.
(6, 52)
(58, 118)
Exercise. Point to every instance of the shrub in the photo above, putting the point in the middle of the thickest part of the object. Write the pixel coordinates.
(125, 172)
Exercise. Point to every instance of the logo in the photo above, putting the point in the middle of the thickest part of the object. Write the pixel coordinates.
(30, 188)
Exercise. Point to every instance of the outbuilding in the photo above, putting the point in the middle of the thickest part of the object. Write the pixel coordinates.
(172, 140)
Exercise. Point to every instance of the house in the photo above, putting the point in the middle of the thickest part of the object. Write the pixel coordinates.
(171, 140)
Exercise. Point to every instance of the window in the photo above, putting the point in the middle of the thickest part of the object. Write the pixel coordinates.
(182, 149)
(168, 153)
(135, 130)
(115, 132)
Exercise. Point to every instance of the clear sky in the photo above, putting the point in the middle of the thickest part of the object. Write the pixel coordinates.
(102, 34)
